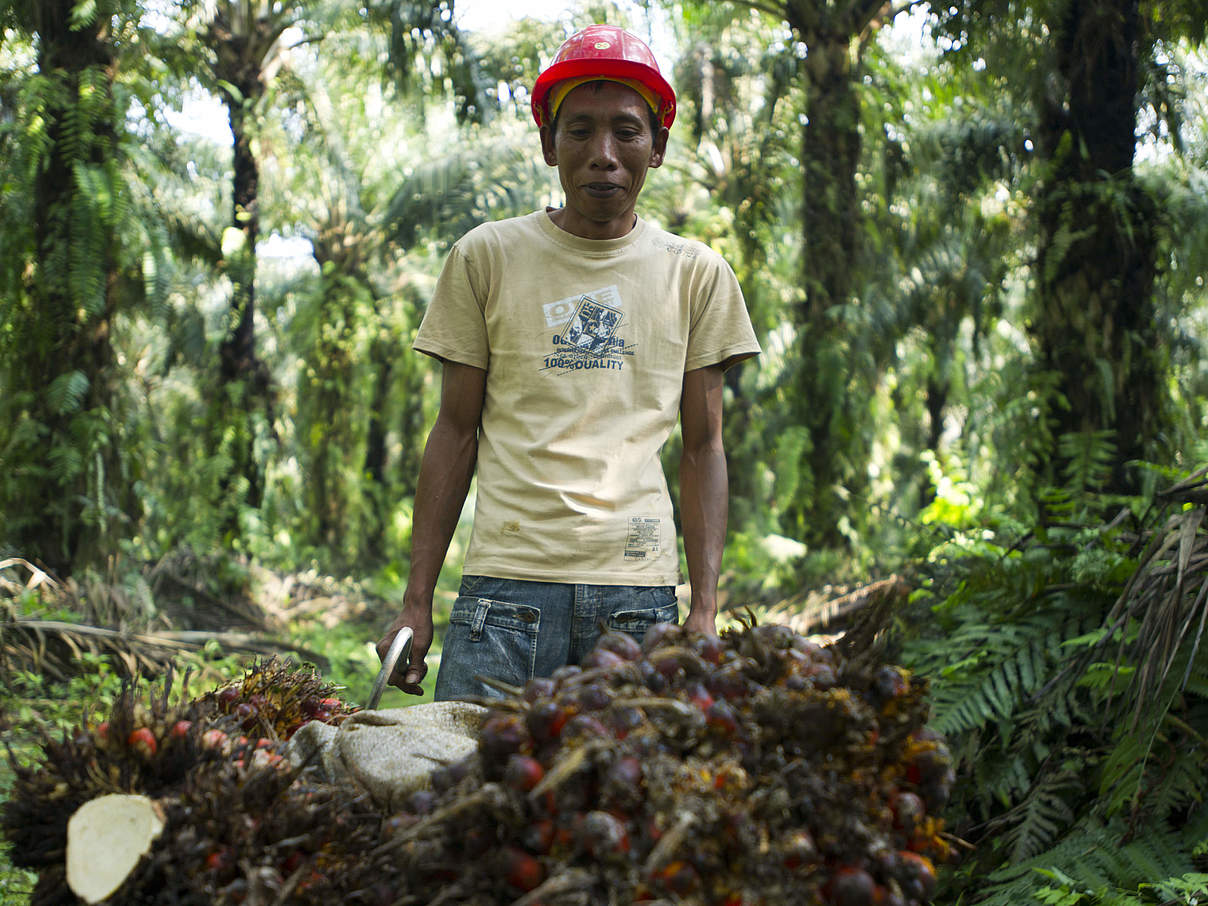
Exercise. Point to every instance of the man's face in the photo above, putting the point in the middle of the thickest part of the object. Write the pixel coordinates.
(602, 148)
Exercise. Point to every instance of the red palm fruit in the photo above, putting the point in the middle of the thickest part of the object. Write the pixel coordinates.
(669, 664)
(722, 717)
(621, 644)
(851, 886)
(602, 658)
(699, 696)
(585, 725)
(593, 697)
(247, 713)
(565, 672)
(180, 729)
(709, 647)
(520, 869)
(728, 681)
(102, 732)
(812, 649)
(142, 741)
(652, 679)
(545, 720)
(502, 735)
(930, 769)
(822, 676)
(228, 696)
(538, 837)
(539, 687)
(622, 720)
(888, 683)
(523, 772)
(916, 875)
(214, 739)
(622, 782)
(799, 850)
(603, 835)
(661, 634)
(908, 810)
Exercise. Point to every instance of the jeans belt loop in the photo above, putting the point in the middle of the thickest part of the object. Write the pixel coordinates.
(480, 618)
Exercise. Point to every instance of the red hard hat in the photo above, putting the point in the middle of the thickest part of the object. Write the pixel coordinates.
(608, 52)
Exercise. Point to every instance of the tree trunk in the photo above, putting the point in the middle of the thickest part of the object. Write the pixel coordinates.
(63, 514)
(244, 390)
(1096, 323)
(834, 461)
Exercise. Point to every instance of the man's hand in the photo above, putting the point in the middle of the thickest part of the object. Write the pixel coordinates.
(702, 621)
(408, 676)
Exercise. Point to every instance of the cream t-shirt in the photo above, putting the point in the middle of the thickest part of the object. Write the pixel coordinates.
(585, 344)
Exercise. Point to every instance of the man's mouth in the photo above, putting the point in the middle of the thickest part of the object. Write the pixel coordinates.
(601, 189)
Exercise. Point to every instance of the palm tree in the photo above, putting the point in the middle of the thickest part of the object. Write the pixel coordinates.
(64, 247)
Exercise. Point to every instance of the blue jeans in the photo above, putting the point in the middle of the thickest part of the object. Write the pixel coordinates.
(513, 629)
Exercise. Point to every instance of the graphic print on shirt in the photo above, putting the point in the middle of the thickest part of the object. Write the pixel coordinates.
(644, 538)
(588, 332)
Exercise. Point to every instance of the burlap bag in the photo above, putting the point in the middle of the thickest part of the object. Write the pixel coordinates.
(391, 753)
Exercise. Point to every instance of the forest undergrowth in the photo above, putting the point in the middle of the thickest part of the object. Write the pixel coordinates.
(1064, 659)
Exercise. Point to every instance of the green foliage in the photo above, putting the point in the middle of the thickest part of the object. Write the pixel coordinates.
(1079, 783)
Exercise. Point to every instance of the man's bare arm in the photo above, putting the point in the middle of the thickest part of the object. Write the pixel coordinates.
(444, 480)
(704, 492)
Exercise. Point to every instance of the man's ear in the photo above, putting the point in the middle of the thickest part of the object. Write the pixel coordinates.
(547, 146)
(659, 151)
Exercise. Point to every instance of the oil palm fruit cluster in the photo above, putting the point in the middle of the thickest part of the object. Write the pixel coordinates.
(214, 772)
(274, 698)
(755, 768)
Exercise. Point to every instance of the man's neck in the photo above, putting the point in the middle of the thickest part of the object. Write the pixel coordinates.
(586, 229)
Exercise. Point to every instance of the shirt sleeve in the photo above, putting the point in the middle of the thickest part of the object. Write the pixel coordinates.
(720, 332)
(454, 326)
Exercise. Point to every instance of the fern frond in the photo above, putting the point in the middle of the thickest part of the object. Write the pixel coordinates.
(1088, 459)
(1045, 809)
(66, 392)
(1180, 781)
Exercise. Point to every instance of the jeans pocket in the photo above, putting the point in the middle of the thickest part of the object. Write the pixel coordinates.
(489, 638)
(635, 620)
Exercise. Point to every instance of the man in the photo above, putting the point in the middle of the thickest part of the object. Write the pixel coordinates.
(569, 340)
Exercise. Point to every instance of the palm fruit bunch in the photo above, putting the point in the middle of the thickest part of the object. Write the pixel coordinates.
(258, 831)
(215, 772)
(754, 768)
(274, 698)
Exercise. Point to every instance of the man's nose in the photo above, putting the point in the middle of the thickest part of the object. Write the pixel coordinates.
(604, 152)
